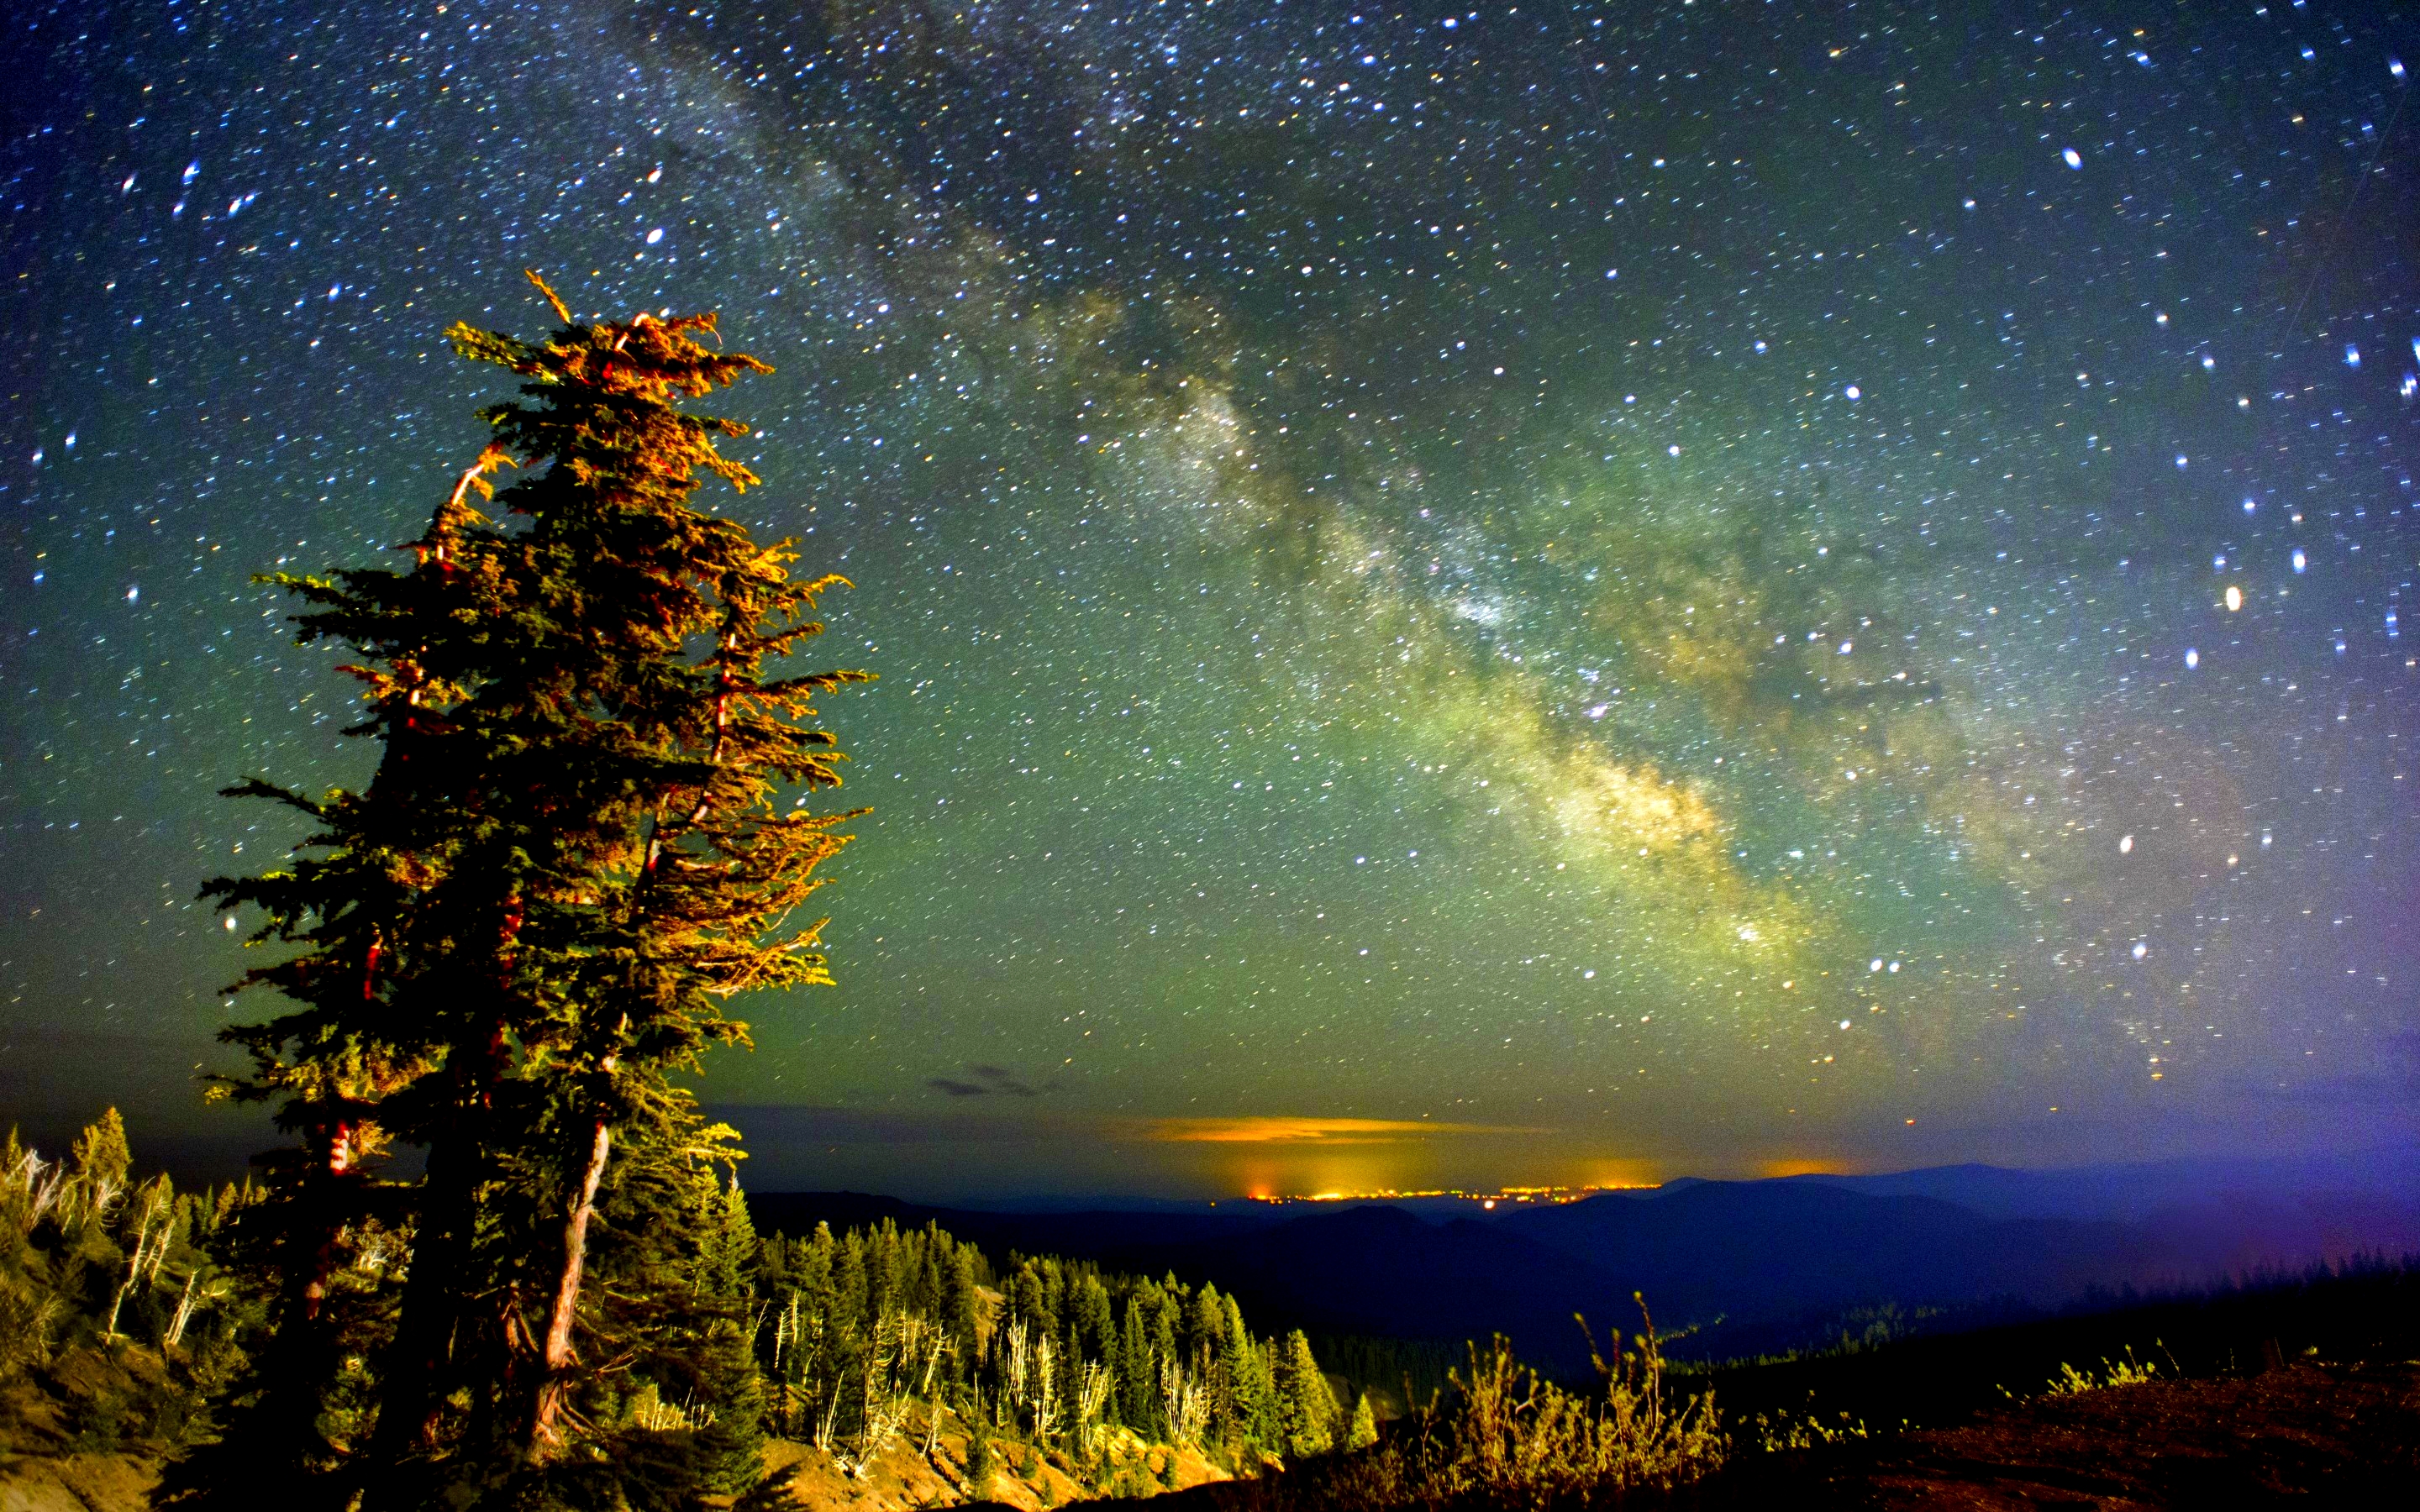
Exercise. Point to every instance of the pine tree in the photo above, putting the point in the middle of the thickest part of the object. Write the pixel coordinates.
(1364, 1430)
(1138, 1370)
(729, 1248)
(574, 850)
(1306, 1408)
(981, 1458)
(1206, 1327)
(100, 1157)
(1265, 1429)
(1242, 1373)
(1093, 1326)
(960, 1306)
(731, 1447)
(851, 1293)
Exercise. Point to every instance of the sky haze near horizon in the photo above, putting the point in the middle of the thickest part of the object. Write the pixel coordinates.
(1523, 595)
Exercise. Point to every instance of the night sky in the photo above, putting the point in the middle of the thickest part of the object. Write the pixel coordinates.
(1537, 594)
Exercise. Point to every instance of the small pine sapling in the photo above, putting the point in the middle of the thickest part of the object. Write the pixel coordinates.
(1363, 1431)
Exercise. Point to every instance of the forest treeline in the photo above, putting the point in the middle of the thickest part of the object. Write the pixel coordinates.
(136, 1319)
(872, 1328)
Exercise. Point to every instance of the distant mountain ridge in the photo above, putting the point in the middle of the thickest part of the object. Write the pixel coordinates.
(1752, 1265)
(1714, 1246)
(2137, 1190)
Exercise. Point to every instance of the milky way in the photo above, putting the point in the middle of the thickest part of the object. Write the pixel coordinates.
(1678, 586)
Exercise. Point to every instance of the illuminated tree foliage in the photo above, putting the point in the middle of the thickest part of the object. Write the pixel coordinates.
(1306, 1408)
(583, 837)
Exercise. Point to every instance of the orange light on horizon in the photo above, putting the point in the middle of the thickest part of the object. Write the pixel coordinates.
(1486, 1198)
(1772, 1170)
(1618, 1174)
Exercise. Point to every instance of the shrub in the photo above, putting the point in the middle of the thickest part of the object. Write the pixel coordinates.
(2130, 1372)
(1506, 1437)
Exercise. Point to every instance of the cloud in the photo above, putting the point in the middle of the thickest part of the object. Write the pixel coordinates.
(1002, 1080)
(1266, 1130)
(986, 1081)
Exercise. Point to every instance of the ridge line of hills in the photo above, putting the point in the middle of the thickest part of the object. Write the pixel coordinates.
(1740, 1267)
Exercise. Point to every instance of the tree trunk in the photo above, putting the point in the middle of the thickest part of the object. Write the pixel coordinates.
(557, 1357)
(411, 1401)
(411, 1406)
(184, 1311)
(300, 1362)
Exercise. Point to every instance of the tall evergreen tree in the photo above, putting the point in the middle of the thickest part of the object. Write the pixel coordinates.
(961, 1306)
(1137, 1367)
(101, 1158)
(1242, 1375)
(577, 846)
(731, 1447)
(1091, 1323)
(1206, 1327)
(1306, 1408)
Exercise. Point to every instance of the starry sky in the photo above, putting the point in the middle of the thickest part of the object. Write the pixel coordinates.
(1532, 593)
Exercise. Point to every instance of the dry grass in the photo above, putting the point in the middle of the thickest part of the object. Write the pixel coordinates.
(2129, 1372)
(1503, 1436)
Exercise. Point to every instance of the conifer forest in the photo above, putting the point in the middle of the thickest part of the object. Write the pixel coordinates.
(136, 1320)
